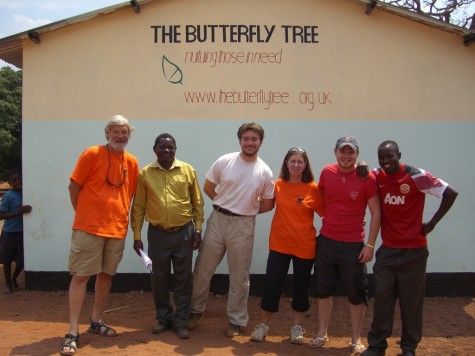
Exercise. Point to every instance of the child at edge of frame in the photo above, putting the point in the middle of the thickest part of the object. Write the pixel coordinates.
(11, 238)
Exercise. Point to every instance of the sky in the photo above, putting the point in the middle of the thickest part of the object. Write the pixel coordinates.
(20, 15)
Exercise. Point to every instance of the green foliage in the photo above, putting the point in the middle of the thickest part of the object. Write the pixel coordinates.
(10, 119)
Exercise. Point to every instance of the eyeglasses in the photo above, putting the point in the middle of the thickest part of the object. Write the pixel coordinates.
(124, 171)
(297, 149)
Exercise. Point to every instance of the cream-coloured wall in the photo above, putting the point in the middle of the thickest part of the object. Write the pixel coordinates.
(380, 76)
(377, 67)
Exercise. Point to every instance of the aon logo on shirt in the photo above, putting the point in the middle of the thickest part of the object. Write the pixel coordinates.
(393, 200)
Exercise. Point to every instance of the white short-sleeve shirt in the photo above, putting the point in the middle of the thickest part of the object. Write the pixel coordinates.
(241, 183)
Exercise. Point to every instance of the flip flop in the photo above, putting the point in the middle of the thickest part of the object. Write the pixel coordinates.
(318, 341)
(357, 349)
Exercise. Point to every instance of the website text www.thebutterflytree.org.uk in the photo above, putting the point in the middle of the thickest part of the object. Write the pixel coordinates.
(266, 98)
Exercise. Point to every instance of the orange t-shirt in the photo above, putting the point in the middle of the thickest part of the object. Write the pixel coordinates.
(292, 231)
(102, 208)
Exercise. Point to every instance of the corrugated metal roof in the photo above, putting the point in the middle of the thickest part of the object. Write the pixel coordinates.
(11, 48)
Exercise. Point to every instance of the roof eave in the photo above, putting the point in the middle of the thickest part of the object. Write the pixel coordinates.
(11, 47)
(424, 19)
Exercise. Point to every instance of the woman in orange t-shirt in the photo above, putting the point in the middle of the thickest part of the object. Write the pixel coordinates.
(292, 238)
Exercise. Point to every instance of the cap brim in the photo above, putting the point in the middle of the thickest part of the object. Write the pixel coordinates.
(353, 147)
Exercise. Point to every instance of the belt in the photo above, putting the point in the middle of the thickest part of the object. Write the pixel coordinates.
(170, 229)
(226, 211)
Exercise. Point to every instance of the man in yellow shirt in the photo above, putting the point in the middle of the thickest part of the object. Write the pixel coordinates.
(168, 196)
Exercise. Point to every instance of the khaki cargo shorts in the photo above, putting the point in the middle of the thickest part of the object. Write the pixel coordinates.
(91, 254)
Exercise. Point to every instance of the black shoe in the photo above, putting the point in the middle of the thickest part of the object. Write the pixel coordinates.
(183, 333)
(374, 351)
(233, 330)
(161, 328)
(408, 353)
(193, 320)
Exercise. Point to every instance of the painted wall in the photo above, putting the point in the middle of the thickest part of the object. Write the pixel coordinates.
(377, 77)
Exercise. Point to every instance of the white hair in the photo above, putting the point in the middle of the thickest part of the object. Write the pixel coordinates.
(117, 120)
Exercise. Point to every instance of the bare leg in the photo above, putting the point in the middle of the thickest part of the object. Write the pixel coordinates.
(7, 272)
(265, 317)
(102, 288)
(16, 273)
(324, 311)
(298, 317)
(77, 293)
(357, 315)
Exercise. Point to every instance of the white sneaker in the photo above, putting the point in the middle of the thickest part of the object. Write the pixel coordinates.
(296, 334)
(260, 332)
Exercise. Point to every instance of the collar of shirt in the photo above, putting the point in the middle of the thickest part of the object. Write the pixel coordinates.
(176, 163)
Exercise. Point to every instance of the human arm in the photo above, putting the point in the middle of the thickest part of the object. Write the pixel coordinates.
(315, 200)
(196, 242)
(138, 245)
(367, 253)
(137, 214)
(74, 189)
(197, 203)
(265, 205)
(24, 209)
(266, 196)
(210, 189)
(448, 199)
(362, 170)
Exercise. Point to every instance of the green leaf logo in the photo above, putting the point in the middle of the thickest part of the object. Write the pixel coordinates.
(171, 71)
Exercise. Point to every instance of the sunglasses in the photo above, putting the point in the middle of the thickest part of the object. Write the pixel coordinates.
(297, 150)
(124, 171)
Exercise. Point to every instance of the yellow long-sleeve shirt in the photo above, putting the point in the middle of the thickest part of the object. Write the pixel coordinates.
(167, 198)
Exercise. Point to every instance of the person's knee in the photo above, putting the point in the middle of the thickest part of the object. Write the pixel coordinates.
(300, 306)
(80, 281)
(358, 298)
(104, 276)
(325, 290)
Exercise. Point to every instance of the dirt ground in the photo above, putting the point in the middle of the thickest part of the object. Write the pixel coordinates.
(34, 323)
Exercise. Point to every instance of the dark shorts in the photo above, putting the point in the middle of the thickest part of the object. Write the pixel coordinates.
(339, 260)
(11, 247)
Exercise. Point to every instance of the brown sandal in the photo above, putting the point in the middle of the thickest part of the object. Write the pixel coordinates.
(70, 338)
(101, 328)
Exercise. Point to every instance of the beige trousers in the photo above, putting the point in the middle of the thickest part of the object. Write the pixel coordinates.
(233, 236)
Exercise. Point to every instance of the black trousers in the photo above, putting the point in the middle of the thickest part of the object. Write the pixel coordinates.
(398, 274)
(277, 268)
(165, 249)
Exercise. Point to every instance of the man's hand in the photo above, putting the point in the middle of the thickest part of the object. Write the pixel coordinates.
(366, 254)
(362, 170)
(196, 240)
(427, 227)
(138, 245)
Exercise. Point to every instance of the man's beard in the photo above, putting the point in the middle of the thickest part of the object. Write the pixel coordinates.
(118, 146)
